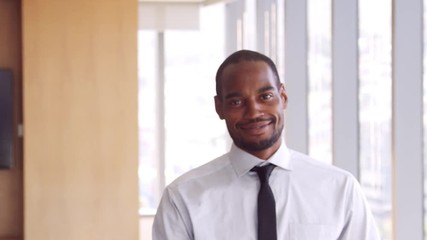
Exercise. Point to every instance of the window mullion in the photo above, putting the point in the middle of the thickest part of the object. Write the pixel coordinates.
(407, 120)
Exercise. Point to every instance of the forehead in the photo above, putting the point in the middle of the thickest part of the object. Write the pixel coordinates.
(247, 75)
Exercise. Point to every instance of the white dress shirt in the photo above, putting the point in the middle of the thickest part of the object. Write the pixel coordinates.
(218, 201)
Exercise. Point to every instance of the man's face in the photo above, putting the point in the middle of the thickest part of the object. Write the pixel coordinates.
(252, 105)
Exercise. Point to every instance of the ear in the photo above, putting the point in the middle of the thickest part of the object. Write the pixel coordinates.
(283, 95)
(218, 107)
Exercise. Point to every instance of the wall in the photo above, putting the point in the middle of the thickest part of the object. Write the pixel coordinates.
(11, 202)
(80, 124)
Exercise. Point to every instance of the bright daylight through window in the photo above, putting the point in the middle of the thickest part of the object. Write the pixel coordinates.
(178, 125)
(320, 79)
(375, 28)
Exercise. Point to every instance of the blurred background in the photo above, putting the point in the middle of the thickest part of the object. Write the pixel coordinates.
(354, 72)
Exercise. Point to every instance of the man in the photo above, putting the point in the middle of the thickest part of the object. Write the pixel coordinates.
(230, 198)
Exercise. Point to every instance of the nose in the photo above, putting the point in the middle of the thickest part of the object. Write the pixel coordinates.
(253, 110)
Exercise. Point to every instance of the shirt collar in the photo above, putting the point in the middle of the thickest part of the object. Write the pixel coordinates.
(242, 162)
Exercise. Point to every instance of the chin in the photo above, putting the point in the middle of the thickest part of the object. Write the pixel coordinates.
(259, 145)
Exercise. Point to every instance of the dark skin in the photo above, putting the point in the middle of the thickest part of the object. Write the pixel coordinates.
(252, 104)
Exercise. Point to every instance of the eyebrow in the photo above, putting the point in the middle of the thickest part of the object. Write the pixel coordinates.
(236, 94)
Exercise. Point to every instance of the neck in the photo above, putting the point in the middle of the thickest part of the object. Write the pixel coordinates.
(266, 153)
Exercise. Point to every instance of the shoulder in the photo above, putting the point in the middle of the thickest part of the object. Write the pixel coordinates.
(314, 169)
(318, 178)
(206, 172)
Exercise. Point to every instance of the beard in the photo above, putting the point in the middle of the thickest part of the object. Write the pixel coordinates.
(261, 144)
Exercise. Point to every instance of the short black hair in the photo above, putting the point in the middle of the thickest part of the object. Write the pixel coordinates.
(240, 56)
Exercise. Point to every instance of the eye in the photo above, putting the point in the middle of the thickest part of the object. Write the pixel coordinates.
(235, 102)
(267, 96)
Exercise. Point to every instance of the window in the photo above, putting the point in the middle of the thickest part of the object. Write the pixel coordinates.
(320, 77)
(148, 119)
(375, 109)
(194, 133)
(178, 125)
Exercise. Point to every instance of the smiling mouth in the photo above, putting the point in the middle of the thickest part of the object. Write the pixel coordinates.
(255, 128)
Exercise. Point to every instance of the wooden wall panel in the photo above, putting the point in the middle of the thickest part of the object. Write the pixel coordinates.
(80, 108)
(11, 199)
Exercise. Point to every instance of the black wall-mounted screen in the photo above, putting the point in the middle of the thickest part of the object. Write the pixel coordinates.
(6, 119)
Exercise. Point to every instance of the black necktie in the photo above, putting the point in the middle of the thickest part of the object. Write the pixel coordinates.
(266, 205)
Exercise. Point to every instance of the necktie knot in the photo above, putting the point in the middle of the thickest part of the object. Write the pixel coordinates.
(264, 172)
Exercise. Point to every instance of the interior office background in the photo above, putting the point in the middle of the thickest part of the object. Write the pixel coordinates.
(354, 71)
